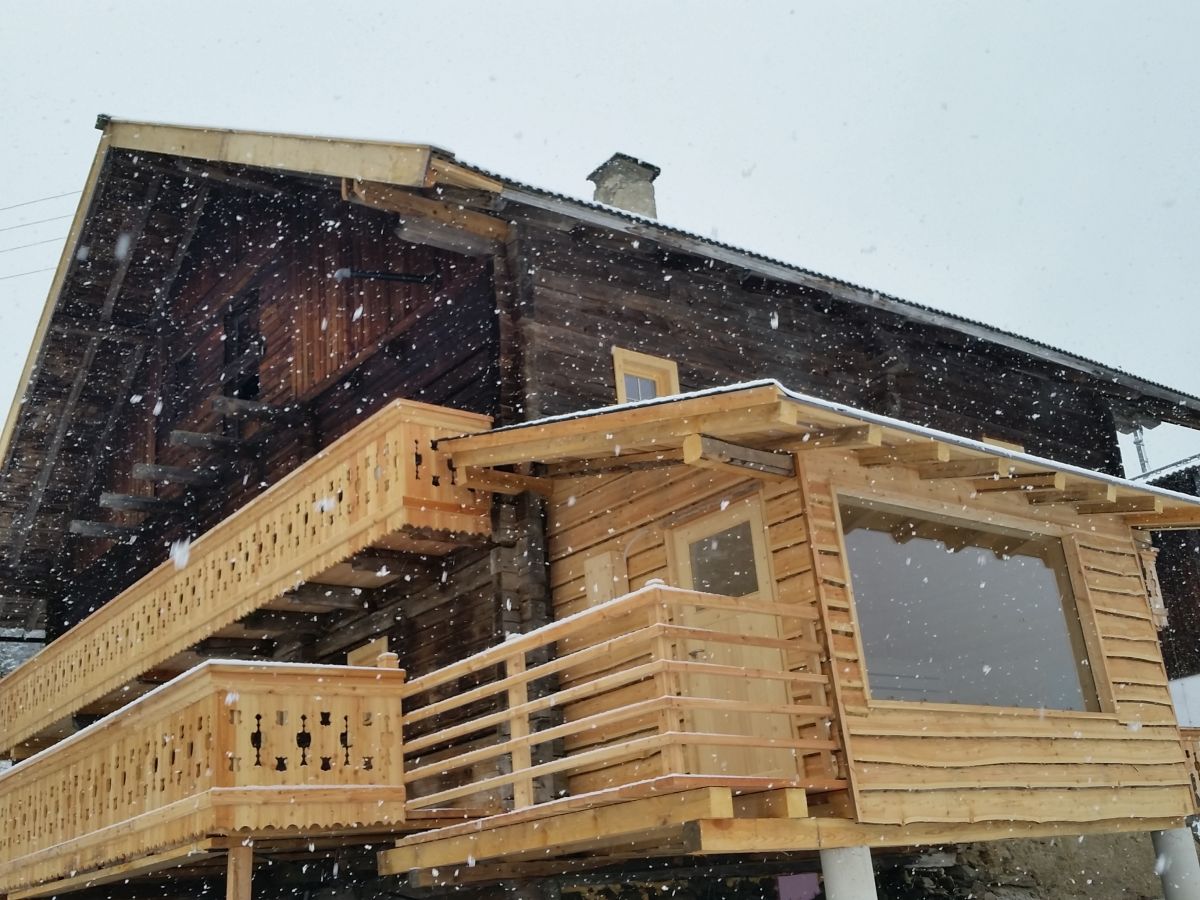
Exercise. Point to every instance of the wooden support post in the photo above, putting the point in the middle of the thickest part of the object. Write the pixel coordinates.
(239, 872)
(605, 577)
(518, 727)
(667, 684)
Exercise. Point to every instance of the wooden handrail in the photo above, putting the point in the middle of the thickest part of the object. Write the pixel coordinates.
(634, 702)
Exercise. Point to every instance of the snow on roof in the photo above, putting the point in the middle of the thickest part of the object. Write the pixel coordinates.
(869, 418)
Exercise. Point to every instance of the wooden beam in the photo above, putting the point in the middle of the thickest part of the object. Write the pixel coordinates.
(852, 437)
(405, 203)
(504, 482)
(326, 596)
(905, 455)
(1034, 481)
(197, 440)
(136, 502)
(566, 833)
(713, 453)
(987, 467)
(107, 530)
(137, 868)
(1099, 493)
(1123, 505)
(254, 410)
(1184, 518)
(782, 803)
(174, 474)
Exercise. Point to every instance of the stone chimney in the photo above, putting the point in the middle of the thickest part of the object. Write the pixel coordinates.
(626, 183)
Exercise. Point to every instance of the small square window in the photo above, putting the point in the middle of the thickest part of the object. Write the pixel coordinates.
(640, 376)
(638, 387)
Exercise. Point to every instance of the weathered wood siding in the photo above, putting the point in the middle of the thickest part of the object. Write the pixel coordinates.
(925, 762)
(339, 348)
(584, 290)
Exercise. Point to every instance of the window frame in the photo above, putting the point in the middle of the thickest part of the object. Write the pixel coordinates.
(662, 371)
(679, 536)
(929, 507)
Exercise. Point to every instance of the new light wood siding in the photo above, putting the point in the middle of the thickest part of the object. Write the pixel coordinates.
(627, 514)
(926, 762)
(907, 762)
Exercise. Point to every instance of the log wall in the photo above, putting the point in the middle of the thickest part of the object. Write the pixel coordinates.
(584, 291)
(340, 349)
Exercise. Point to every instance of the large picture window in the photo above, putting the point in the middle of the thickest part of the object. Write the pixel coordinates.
(959, 612)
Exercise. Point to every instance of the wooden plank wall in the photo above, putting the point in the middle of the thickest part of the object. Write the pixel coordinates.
(344, 348)
(586, 290)
(626, 514)
(948, 763)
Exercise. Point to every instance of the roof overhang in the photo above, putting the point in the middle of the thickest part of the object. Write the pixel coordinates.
(747, 424)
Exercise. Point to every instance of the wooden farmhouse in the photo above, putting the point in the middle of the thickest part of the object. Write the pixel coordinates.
(390, 519)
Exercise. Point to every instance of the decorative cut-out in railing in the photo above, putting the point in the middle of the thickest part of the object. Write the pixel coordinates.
(179, 763)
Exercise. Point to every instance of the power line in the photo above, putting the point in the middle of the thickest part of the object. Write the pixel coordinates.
(40, 200)
(34, 244)
(37, 222)
(23, 274)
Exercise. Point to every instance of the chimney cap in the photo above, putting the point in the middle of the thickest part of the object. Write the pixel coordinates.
(624, 161)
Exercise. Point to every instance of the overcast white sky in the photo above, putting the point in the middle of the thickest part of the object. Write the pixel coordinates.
(1032, 165)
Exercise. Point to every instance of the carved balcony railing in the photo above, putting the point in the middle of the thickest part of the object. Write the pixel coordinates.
(382, 484)
(235, 749)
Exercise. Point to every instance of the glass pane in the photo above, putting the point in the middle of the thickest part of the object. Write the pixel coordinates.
(723, 563)
(955, 613)
(639, 388)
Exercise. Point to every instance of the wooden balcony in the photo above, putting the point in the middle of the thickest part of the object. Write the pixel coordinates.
(229, 749)
(381, 485)
(676, 699)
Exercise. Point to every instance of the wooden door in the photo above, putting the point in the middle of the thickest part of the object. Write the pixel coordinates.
(725, 552)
